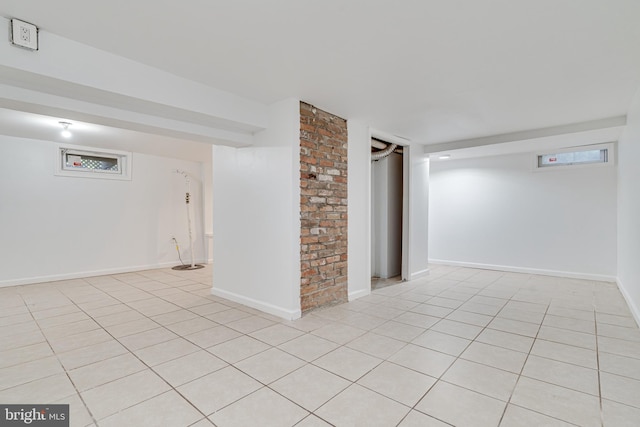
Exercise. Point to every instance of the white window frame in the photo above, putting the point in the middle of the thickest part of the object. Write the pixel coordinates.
(610, 147)
(124, 159)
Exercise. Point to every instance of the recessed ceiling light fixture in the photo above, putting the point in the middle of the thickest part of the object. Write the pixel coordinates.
(65, 129)
(444, 157)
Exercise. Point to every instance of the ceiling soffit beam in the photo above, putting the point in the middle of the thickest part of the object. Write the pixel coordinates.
(593, 125)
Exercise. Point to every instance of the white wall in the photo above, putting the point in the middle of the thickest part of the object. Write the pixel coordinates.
(416, 238)
(629, 210)
(359, 225)
(496, 212)
(54, 227)
(256, 217)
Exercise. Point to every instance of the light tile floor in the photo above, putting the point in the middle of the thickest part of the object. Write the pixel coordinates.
(461, 347)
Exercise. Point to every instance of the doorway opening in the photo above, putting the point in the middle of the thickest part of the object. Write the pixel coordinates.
(388, 172)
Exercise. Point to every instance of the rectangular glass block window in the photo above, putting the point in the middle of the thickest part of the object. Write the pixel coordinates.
(74, 160)
(79, 161)
(573, 158)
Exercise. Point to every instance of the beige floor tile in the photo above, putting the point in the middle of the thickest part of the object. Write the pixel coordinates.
(458, 329)
(565, 336)
(557, 402)
(514, 326)
(620, 332)
(65, 330)
(429, 362)
(25, 354)
(213, 336)
(79, 416)
(269, 365)
(620, 389)
(497, 357)
(218, 389)
(619, 347)
(398, 331)
(620, 365)
(578, 325)
(445, 302)
(191, 326)
(483, 379)
(58, 311)
(237, 349)
(63, 319)
(347, 363)
(308, 347)
(612, 319)
(119, 317)
(203, 423)
(618, 415)
(444, 343)
(91, 354)
(276, 334)
(398, 383)
(338, 333)
(470, 318)
(29, 371)
(563, 374)
(117, 395)
(521, 315)
(506, 339)
(363, 321)
(473, 307)
(80, 340)
(310, 387)
(416, 319)
(432, 310)
(47, 389)
(210, 308)
(565, 353)
(418, 419)
(188, 368)
(312, 421)
(376, 345)
(356, 404)
(264, 407)
(516, 416)
(147, 338)
(461, 407)
(129, 328)
(165, 351)
(307, 323)
(102, 372)
(571, 313)
(168, 409)
(250, 324)
(174, 317)
(228, 316)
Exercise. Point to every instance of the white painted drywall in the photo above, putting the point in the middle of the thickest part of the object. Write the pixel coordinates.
(256, 217)
(497, 212)
(417, 236)
(54, 227)
(359, 225)
(629, 209)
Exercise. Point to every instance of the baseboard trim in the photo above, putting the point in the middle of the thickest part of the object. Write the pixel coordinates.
(258, 305)
(527, 270)
(85, 274)
(635, 310)
(419, 274)
(359, 294)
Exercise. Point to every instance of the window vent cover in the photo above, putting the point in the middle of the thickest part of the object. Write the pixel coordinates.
(92, 163)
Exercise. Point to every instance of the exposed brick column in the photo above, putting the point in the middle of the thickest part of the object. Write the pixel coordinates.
(323, 208)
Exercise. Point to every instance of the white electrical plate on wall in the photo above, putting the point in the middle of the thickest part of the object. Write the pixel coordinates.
(24, 34)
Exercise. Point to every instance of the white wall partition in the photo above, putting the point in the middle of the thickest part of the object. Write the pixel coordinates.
(629, 210)
(56, 227)
(256, 217)
(496, 212)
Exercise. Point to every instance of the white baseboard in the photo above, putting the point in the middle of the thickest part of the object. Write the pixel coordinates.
(527, 270)
(83, 274)
(418, 274)
(258, 305)
(635, 310)
(359, 294)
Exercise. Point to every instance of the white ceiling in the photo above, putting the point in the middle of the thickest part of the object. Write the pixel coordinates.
(433, 71)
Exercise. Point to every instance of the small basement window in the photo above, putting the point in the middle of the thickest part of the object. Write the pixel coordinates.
(92, 163)
(588, 155)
